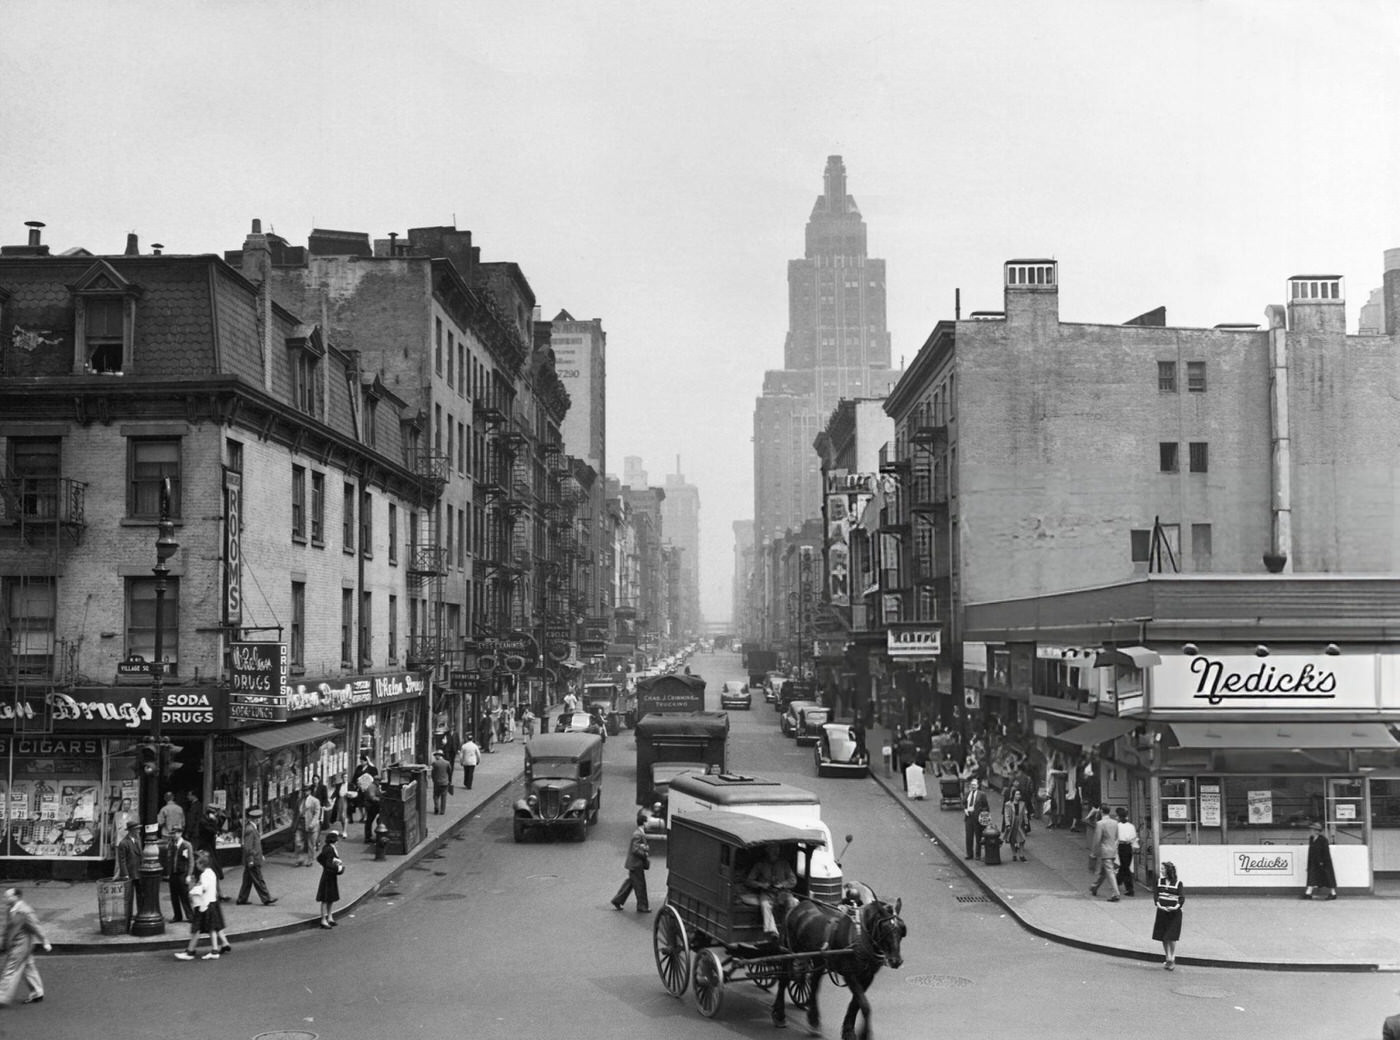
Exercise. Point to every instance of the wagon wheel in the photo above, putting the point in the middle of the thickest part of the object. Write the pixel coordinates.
(762, 974)
(708, 976)
(672, 950)
(801, 984)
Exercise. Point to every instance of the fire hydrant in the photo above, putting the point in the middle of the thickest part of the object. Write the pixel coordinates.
(381, 838)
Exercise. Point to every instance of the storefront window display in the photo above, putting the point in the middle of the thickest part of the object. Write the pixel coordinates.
(400, 733)
(1260, 810)
(52, 798)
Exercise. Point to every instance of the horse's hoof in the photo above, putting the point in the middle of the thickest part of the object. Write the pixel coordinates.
(779, 1023)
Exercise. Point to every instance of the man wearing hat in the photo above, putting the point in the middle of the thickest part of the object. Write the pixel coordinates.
(442, 778)
(129, 864)
(253, 859)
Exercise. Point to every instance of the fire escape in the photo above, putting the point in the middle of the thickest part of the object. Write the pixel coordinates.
(504, 505)
(928, 507)
(41, 518)
(561, 547)
(427, 561)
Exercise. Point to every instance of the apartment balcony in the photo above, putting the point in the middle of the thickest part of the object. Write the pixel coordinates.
(487, 412)
(928, 497)
(890, 462)
(433, 468)
(427, 562)
(929, 436)
(44, 507)
(426, 651)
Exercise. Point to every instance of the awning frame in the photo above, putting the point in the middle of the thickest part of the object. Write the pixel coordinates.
(274, 738)
(1140, 657)
(1098, 730)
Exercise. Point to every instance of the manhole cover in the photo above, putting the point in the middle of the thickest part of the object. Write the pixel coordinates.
(1203, 992)
(939, 981)
(288, 1034)
(448, 895)
(973, 899)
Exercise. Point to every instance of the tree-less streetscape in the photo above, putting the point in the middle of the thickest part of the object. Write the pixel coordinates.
(489, 939)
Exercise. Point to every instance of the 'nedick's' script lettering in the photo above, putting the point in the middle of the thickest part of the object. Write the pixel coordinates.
(1215, 684)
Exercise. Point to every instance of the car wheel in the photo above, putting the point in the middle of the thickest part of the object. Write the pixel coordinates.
(519, 831)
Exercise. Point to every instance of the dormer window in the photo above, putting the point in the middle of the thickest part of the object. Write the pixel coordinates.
(305, 352)
(104, 317)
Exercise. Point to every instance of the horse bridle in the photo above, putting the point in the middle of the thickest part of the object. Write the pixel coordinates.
(867, 938)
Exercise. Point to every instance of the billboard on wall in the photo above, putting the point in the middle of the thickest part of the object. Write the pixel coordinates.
(846, 497)
(1279, 682)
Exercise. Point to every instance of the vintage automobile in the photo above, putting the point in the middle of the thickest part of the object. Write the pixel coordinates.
(838, 754)
(788, 722)
(612, 703)
(810, 719)
(735, 694)
(581, 722)
(563, 785)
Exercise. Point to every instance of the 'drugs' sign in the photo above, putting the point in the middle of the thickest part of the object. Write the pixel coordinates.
(258, 682)
(1279, 682)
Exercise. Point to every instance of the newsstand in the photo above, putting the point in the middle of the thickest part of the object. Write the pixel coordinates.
(403, 808)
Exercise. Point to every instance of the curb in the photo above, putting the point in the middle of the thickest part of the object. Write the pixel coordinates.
(417, 853)
(1103, 948)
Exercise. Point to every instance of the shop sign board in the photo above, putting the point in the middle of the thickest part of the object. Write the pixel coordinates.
(1279, 682)
(913, 641)
(1274, 861)
(257, 682)
(361, 691)
(592, 647)
(116, 709)
(465, 681)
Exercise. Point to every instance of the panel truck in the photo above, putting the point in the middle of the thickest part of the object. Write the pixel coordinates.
(670, 694)
(759, 663)
(669, 745)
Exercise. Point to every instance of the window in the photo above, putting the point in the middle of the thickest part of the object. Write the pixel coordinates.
(298, 503)
(30, 607)
(461, 538)
(347, 520)
(1199, 452)
(461, 367)
(318, 508)
(437, 344)
(1196, 377)
(235, 455)
(447, 471)
(141, 621)
(1141, 542)
(1167, 450)
(371, 421)
(304, 382)
(366, 618)
(393, 533)
(437, 429)
(103, 324)
(450, 531)
(1200, 547)
(461, 448)
(149, 462)
(296, 650)
(36, 465)
(393, 629)
(347, 627)
(1166, 377)
(367, 525)
(451, 355)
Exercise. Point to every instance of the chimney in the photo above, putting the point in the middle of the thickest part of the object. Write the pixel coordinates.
(132, 249)
(1316, 303)
(256, 266)
(1032, 291)
(393, 243)
(1390, 292)
(156, 247)
(34, 248)
(34, 227)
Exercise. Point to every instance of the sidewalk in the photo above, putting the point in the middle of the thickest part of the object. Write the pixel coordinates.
(67, 910)
(1050, 896)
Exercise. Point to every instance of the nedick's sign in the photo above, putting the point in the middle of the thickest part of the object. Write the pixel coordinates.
(1279, 682)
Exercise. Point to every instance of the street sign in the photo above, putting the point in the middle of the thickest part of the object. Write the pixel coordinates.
(464, 681)
(593, 647)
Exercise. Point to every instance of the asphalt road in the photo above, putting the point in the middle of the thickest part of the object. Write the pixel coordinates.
(489, 939)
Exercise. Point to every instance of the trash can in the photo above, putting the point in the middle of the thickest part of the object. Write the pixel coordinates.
(111, 905)
(991, 847)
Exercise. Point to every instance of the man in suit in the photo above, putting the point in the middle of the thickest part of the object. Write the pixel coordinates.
(129, 865)
(21, 934)
(974, 805)
(177, 857)
(1104, 850)
(253, 859)
(636, 864)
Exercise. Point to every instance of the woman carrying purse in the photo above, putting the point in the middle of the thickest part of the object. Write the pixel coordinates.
(1015, 821)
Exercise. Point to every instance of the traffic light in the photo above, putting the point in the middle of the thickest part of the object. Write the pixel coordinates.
(147, 759)
(170, 758)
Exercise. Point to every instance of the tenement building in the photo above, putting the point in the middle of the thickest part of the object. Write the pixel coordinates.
(1161, 562)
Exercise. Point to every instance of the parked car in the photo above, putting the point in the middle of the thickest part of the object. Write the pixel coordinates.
(810, 720)
(735, 694)
(563, 785)
(837, 753)
(788, 722)
(581, 722)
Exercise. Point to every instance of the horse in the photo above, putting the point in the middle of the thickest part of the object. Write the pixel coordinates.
(868, 937)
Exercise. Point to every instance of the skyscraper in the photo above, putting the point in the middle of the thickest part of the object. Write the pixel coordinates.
(837, 347)
(680, 525)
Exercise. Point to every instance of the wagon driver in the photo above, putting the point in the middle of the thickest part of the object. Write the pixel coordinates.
(770, 881)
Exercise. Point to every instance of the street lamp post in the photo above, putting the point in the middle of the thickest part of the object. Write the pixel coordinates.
(149, 920)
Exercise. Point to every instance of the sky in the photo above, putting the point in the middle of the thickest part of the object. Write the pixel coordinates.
(653, 164)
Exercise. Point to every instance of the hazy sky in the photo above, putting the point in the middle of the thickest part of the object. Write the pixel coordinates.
(653, 164)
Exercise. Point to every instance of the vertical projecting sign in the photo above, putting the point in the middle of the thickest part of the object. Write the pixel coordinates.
(233, 546)
(257, 682)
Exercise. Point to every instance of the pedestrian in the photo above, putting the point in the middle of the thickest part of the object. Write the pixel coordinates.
(1320, 872)
(527, 723)
(310, 827)
(369, 802)
(171, 818)
(974, 805)
(1103, 854)
(906, 757)
(637, 863)
(441, 770)
(323, 795)
(328, 891)
(208, 918)
(128, 864)
(358, 783)
(471, 757)
(571, 702)
(1390, 1028)
(1015, 821)
(207, 837)
(486, 730)
(1170, 897)
(1128, 844)
(861, 754)
(335, 804)
(21, 934)
(253, 860)
(178, 857)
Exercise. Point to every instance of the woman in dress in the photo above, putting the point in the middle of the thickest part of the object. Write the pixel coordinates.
(328, 891)
(1015, 821)
(208, 916)
(1169, 897)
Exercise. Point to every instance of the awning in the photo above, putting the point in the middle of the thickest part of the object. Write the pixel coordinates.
(1128, 657)
(1255, 735)
(286, 735)
(1096, 731)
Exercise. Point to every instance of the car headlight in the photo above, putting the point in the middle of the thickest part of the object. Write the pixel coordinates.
(532, 801)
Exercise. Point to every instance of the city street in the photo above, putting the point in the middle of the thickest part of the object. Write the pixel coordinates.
(487, 938)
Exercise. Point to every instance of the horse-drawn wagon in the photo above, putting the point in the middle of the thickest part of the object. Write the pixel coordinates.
(710, 930)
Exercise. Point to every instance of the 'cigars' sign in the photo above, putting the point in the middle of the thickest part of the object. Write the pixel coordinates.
(1278, 682)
